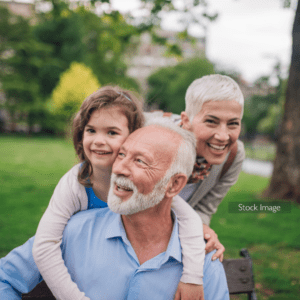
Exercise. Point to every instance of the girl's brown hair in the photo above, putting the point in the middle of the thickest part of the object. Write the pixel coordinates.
(108, 96)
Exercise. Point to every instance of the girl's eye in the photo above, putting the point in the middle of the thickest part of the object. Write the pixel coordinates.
(111, 132)
(90, 130)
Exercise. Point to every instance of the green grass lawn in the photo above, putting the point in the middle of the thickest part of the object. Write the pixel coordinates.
(31, 167)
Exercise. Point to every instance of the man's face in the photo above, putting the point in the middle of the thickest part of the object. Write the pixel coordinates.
(216, 127)
(142, 162)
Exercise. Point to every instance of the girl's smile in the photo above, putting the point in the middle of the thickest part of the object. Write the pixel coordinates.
(103, 136)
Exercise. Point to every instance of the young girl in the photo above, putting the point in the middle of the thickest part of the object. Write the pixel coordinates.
(102, 124)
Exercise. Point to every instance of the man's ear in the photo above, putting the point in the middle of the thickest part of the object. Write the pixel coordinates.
(186, 124)
(176, 184)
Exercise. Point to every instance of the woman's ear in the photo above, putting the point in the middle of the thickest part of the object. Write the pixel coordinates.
(186, 124)
(176, 184)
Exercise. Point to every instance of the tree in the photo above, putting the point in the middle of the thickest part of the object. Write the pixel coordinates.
(21, 62)
(167, 86)
(74, 86)
(285, 181)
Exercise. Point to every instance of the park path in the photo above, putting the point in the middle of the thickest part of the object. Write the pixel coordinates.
(257, 167)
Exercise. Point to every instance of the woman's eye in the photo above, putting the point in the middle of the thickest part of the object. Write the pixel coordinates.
(210, 121)
(234, 124)
(120, 154)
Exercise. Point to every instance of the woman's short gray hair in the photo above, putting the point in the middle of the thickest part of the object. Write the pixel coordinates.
(214, 87)
(184, 160)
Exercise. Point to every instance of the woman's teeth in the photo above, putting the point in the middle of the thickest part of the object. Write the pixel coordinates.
(216, 147)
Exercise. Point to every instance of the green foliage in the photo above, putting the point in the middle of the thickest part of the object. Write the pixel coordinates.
(22, 59)
(107, 37)
(167, 86)
(62, 31)
(262, 114)
(32, 57)
(74, 86)
(270, 124)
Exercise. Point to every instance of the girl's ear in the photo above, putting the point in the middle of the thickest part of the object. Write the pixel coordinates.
(186, 124)
(176, 184)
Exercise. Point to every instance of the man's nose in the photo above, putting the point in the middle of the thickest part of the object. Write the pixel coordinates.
(121, 167)
(222, 133)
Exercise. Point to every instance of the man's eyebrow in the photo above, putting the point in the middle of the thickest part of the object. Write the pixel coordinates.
(139, 153)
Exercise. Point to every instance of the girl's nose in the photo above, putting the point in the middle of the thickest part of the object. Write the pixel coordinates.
(99, 140)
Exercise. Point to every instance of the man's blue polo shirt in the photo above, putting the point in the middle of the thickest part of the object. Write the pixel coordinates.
(102, 262)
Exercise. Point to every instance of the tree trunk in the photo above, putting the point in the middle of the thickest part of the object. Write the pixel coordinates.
(285, 181)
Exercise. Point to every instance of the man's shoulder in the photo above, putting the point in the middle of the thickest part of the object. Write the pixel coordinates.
(209, 264)
(90, 217)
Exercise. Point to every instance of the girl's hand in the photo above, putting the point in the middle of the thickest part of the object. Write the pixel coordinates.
(213, 243)
(189, 291)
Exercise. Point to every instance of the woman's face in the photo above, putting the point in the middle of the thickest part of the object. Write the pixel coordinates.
(216, 127)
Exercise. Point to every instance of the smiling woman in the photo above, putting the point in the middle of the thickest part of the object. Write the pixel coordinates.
(217, 127)
(214, 109)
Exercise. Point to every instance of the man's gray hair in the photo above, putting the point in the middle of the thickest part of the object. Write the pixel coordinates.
(184, 160)
(214, 87)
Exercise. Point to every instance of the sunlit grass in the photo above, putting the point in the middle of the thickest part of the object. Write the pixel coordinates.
(273, 240)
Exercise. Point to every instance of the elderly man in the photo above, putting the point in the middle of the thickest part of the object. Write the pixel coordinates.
(135, 255)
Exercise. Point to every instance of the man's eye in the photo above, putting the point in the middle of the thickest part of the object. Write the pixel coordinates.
(140, 161)
(121, 154)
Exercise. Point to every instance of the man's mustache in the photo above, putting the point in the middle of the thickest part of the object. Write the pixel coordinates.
(123, 182)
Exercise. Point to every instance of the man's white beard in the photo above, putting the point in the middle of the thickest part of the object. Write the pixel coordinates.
(137, 202)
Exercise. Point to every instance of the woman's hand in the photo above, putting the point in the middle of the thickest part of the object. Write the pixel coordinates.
(213, 243)
(189, 291)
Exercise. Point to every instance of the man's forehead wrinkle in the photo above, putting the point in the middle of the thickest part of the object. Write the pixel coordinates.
(159, 142)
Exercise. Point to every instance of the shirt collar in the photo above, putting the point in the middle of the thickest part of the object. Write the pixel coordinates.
(174, 248)
(116, 229)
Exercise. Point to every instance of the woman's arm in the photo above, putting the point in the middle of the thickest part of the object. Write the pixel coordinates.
(68, 198)
(207, 205)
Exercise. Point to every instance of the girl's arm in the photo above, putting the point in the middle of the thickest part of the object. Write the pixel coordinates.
(192, 241)
(68, 198)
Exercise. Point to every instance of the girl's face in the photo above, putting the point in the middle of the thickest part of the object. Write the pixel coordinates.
(103, 136)
(216, 127)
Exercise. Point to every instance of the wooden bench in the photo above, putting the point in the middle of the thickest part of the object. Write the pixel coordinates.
(239, 276)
